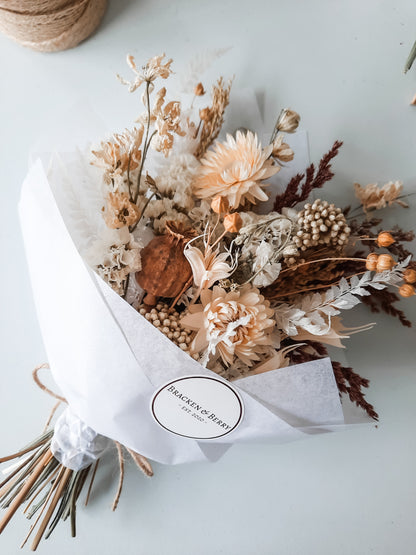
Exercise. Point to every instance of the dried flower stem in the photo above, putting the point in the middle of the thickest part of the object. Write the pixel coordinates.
(62, 479)
(184, 288)
(410, 58)
(128, 178)
(121, 479)
(92, 482)
(313, 288)
(142, 213)
(25, 489)
(322, 260)
(36, 493)
(136, 196)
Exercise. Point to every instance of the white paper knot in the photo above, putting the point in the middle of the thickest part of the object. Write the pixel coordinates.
(75, 444)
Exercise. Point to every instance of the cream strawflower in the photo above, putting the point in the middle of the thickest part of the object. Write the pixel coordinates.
(235, 169)
(231, 325)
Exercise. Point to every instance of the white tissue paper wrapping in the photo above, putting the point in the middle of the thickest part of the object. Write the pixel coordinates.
(75, 444)
(109, 361)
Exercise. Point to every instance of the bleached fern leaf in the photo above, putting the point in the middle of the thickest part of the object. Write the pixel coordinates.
(77, 188)
(313, 312)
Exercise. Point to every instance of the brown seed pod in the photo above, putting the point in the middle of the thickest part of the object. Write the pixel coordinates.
(371, 263)
(409, 275)
(385, 262)
(165, 269)
(406, 290)
(385, 239)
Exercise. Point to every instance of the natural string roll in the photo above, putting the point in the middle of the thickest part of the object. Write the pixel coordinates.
(50, 25)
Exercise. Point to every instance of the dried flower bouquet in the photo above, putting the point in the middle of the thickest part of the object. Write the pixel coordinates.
(187, 277)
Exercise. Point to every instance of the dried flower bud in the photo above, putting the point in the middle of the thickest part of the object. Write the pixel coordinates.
(409, 275)
(385, 262)
(385, 239)
(406, 290)
(233, 222)
(282, 150)
(199, 90)
(371, 263)
(288, 121)
(220, 204)
(205, 114)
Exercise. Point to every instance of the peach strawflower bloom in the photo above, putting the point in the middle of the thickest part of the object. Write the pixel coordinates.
(232, 325)
(235, 169)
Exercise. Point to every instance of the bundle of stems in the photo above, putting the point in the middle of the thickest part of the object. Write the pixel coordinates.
(47, 488)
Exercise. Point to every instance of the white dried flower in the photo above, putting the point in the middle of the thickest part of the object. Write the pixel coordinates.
(114, 256)
(264, 240)
(208, 267)
(175, 180)
(264, 269)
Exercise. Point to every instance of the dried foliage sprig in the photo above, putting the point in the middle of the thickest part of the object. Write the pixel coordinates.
(292, 196)
(213, 116)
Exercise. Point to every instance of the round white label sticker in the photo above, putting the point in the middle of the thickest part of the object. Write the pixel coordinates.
(198, 407)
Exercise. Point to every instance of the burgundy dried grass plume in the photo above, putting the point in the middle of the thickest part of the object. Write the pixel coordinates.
(293, 196)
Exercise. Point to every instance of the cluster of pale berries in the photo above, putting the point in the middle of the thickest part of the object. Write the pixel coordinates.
(321, 223)
(168, 322)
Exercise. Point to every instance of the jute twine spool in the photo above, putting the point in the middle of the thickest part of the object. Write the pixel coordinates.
(50, 25)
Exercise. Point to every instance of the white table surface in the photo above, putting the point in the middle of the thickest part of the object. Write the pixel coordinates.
(339, 63)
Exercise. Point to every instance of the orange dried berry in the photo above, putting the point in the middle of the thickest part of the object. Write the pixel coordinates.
(233, 222)
(199, 90)
(385, 262)
(371, 262)
(407, 290)
(220, 204)
(409, 275)
(385, 239)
